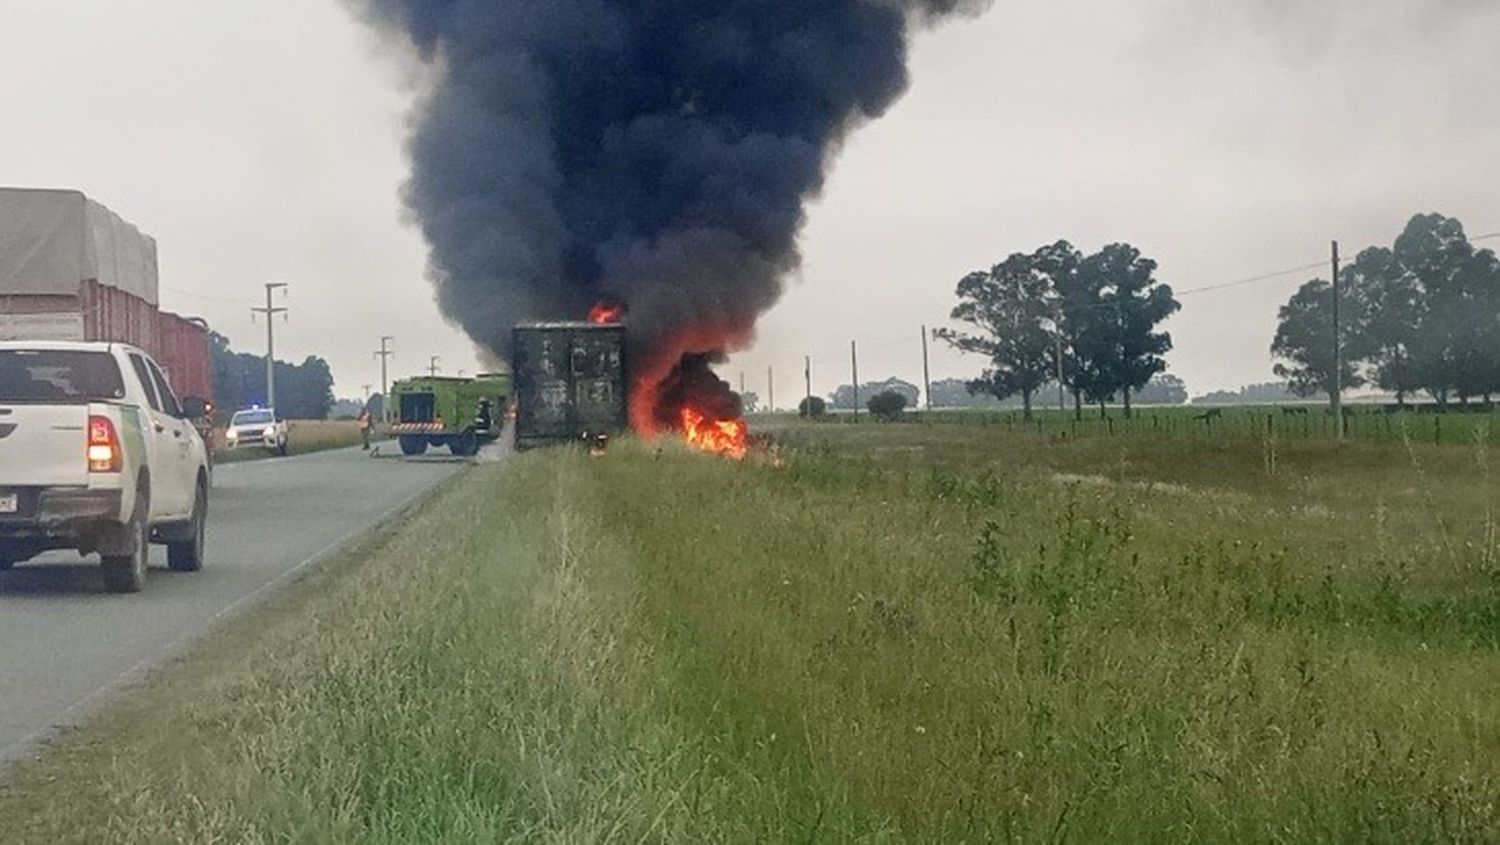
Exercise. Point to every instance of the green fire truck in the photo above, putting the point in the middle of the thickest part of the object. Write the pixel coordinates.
(460, 413)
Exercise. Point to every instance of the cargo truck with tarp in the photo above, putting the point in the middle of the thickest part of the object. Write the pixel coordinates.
(570, 382)
(72, 270)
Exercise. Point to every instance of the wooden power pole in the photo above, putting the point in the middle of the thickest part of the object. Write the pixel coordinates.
(926, 372)
(807, 378)
(1337, 394)
(384, 354)
(854, 367)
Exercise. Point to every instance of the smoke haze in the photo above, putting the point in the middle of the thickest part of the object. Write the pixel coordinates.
(653, 153)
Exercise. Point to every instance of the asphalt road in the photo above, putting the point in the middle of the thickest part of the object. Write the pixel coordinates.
(65, 644)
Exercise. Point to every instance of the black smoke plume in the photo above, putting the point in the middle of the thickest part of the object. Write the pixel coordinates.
(652, 152)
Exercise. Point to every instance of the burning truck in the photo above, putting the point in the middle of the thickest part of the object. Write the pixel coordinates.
(656, 155)
(570, 382)
(572, 385)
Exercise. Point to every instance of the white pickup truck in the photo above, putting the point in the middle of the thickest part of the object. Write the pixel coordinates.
(257, 427)
(97, 454)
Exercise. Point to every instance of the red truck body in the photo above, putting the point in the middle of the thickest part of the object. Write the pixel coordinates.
(100, 312)
(72, 270)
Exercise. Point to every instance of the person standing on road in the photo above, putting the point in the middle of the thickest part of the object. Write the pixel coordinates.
(365, 423)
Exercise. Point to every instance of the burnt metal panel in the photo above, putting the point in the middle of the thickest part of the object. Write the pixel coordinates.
(570, 382)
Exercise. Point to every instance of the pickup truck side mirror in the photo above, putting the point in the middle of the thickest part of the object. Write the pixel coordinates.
(194, 408)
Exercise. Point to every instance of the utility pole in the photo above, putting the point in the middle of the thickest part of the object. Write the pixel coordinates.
(926, 372)
(384, 354)
(1338, 352)
(807, 377)
(367, 388)
(271, 311)
(742, 382)
(1062, 396)
(771, 389)
(854, 367)
(432, 365)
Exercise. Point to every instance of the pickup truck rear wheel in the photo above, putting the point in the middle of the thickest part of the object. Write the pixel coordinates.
(413, 446)
(127, 573)
(187, 555)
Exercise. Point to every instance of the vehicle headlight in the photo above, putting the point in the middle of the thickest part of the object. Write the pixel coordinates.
(231, 435)
(270, 431)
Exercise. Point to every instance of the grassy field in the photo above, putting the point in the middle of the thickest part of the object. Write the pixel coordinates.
(1258, 422)
(892, 633)
(303, 436)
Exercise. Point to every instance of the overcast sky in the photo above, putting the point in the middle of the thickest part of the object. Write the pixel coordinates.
(262, 141)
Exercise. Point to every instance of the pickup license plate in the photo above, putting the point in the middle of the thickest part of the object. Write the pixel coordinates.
(9, 503)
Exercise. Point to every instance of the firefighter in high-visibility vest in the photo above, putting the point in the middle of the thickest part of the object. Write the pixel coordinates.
(365, 422)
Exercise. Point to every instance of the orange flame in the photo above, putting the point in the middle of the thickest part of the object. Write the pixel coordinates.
(606, 313)
(721, 437)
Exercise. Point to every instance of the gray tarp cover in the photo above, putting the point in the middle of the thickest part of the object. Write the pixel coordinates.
(50, 241)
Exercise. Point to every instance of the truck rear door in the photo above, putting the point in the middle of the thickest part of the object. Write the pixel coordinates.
(44, 413)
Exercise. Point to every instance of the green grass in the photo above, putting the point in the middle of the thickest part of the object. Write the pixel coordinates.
(900, 633)
(1291, 422)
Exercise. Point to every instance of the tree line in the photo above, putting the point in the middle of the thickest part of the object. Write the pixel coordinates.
(843, 399)
(1422, 316)
(1090, 321)
(303, 391)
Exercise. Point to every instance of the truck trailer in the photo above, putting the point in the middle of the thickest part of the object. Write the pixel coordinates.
(571, 382)
(71, 270)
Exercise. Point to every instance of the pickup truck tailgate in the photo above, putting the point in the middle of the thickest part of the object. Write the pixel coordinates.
(43, 445)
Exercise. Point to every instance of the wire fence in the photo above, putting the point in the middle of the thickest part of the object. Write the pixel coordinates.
(1456, 427)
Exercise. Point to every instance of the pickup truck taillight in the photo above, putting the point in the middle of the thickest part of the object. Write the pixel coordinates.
(104, 445)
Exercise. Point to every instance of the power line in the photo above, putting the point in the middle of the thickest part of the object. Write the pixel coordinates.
(1264, 277)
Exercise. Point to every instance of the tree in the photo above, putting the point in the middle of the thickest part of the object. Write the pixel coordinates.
(812, 407)
(1124, 349)
(955, 393)
(843, 398)
(303, 391)
(1074, 319)
(1012, 305)
(1421, 316)
(1386, 310)
(750, 401)
(1265, 393)
(1304, 339)
(888, 405)
(1431, 250)
(1164, 389)
(1093, 320)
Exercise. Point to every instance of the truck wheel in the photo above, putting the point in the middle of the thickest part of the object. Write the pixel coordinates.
(464, 445)
(413, 446)
(187, 555)
(127, 573)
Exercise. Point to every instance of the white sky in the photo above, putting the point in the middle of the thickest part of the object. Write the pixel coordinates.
(261, 141)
